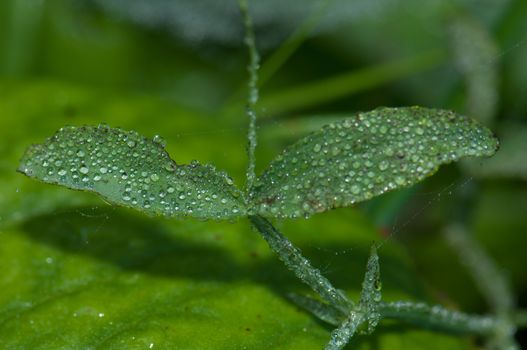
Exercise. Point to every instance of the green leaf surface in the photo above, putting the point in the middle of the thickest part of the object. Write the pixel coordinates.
(128, 169)
(510, 161)
(102, 279)
(362, 157)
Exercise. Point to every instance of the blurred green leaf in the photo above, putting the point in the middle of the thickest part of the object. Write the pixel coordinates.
(128, 169)
(475, 55)
(112, 280)
(359, 158)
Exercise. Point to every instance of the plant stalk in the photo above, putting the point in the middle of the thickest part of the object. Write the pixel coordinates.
(254, 63)
(293, 259)
(438, 318)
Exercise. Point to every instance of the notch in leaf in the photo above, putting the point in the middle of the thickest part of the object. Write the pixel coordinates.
(130, 170)
(364, 156)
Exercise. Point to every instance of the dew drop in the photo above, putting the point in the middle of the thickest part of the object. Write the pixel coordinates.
(159, 140)
(400, 180)
(383, 165)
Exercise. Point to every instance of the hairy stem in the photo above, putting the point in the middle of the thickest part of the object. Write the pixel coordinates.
(342, 335)
(319, 309)
(293, 259)
(438, 318)
(254, 62)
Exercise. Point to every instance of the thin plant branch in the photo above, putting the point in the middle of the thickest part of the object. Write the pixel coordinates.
(437, 318)
(254, 62)
(293, 259)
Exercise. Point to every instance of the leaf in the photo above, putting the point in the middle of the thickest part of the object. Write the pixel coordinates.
(54, 104)
(130, 170)
(371, 290)
(510, 161)
(362, 157)
(141, 281)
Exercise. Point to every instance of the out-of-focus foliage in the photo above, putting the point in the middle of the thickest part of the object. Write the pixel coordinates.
(77, 272)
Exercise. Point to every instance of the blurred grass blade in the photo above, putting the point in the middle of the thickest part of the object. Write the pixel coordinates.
(475, 55)
(130, 170)
(291, 45)
(21, 34)
(491, 282)
(348, 83)
(364, 156)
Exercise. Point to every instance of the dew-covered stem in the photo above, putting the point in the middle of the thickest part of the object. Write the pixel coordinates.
(342, 335)
(293, 259)
(254, 62)
(323, 311)
(438, 318)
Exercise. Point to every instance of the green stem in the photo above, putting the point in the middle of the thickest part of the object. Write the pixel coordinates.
(254, 62)
(279, 57)
(438, 318)
(293, 259)
(342, 335)
(319, 309)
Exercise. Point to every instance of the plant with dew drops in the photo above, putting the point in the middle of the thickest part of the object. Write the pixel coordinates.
(343, 163)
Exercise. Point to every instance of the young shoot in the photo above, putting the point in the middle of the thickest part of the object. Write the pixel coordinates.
(346, 162)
